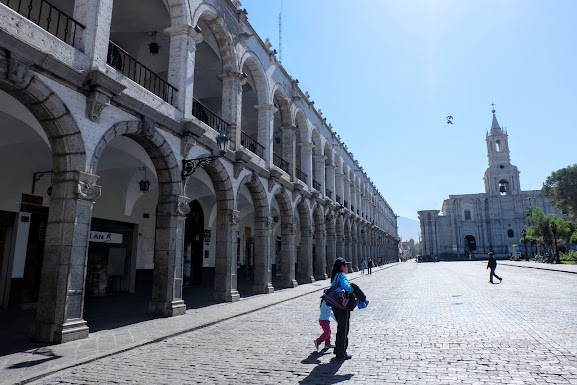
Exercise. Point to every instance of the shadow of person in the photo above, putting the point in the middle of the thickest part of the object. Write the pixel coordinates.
(324, 373)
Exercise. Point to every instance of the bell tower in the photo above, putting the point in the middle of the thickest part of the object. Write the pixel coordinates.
(501, 178)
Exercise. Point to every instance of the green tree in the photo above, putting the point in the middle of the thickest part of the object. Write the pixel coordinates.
(561, 188)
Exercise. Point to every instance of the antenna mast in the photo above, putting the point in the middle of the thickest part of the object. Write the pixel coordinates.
(280, 33)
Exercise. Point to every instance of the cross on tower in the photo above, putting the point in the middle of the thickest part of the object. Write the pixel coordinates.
(493, 106)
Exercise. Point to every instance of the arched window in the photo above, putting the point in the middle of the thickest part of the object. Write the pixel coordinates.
(503, 187)
(498, 145)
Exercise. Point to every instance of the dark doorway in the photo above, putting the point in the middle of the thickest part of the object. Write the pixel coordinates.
(193, 244)
(470, 243)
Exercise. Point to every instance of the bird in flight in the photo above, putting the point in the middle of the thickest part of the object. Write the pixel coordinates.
(449, 119)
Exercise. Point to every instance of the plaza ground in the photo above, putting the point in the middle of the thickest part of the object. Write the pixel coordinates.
(428, 323)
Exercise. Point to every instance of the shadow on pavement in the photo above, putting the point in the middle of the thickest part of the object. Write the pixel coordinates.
(324, 373)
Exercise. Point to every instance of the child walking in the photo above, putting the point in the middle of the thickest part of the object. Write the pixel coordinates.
(325, 322)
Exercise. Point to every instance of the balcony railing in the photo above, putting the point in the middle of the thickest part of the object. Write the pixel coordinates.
(316, 185)
(328, 193)
(251, 144)
(205, 115)
(121, 60)
(301, 175)
(338, 198)
(47, 17)
(281, 163)
(346, 204)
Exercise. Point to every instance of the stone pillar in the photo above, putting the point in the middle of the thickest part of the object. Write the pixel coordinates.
(330, 180)
(232, 83)
(225, 278)
(289, 146)
(321, 255)
(96, 16)
(183, 41)
(339, 187)
(265, 129)
(166, 297)
(355, 248)
(320, 171)
(288, 234)
(348, 248)
(305, 273)
(331, 245)
(306, 161)
(340, 246)
(61, 298)
(262, 256)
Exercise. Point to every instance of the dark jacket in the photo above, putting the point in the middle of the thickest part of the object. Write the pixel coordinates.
(358, 292)
(492, 263)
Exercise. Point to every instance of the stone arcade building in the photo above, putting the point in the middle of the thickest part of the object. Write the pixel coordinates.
(490, 221)
(100, 102)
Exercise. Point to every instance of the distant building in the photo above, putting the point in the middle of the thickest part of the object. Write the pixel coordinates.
(408, 248)
(489, 221)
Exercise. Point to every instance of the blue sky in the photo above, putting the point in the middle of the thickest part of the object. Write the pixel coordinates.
(387, 73)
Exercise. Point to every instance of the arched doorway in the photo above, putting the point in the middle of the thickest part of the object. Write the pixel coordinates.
(470, 244)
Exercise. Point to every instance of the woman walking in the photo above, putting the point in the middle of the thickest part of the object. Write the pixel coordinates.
(339, 279)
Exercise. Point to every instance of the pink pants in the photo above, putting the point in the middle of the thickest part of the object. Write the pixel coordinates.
(326, 336)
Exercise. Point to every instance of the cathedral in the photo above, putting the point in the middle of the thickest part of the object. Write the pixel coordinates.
(491, 221)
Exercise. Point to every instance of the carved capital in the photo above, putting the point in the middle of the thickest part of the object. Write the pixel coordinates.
(19, 72)
(184, 30)
(235, 217)
(182, 207)
(87, 188)
(234, 76)
(266, 107)
(95, 103)
(269, 223)
(186, 144)
(147, 127)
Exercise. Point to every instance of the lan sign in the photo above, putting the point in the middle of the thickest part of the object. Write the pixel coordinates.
(97, 236)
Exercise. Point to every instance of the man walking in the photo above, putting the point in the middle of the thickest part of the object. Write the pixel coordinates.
(492, 264)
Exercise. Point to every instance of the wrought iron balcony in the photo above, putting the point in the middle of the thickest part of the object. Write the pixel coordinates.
(121, 60)
(47, 17)
(251, 144)
(281, 163)
(205, 115)
(338, 198)
(301, 175)
(328, 193)
(316, 185)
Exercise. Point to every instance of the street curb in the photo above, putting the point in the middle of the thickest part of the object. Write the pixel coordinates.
(88, 360)
(539, 268)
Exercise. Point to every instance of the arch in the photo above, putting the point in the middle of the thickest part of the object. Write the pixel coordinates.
(210, 16)
(256, 68)
(258, 194)
(283, 105)
(68, 149)
(159, 150)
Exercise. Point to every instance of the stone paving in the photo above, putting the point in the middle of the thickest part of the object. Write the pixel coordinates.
(427, 323)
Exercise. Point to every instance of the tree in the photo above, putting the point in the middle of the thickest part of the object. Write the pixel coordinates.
(561, 188)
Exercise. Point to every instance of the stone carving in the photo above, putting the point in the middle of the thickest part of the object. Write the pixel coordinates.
(88, 191)
(182, 206)
(186, 144)
(269, 222)
(95, 103)
(235, 217)
(147, 128)
(19, 72)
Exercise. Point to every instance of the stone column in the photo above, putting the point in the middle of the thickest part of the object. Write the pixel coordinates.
(166, 297)
(355, 248)
(61, 298)
(331, 245)
(321, 255)
(289, 146)
(339, 187)
(96, 16)
(232, 83)
(348, 248)
(330, 180)
(305, 273)
(288, 234)
(340, 247)
(320, 171)
(183, 41)
(225, 278)
(262, 256)
(306, 161)
(265, 129)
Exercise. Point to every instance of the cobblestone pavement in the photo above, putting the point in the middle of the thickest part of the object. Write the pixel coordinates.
(427, 323)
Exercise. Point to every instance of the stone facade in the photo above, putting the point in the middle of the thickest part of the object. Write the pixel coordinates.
(489, 221)
(95, 108)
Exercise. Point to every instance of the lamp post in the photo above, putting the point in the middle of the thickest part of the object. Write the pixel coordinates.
(554, 230)
(189, 166)
(524, 233)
